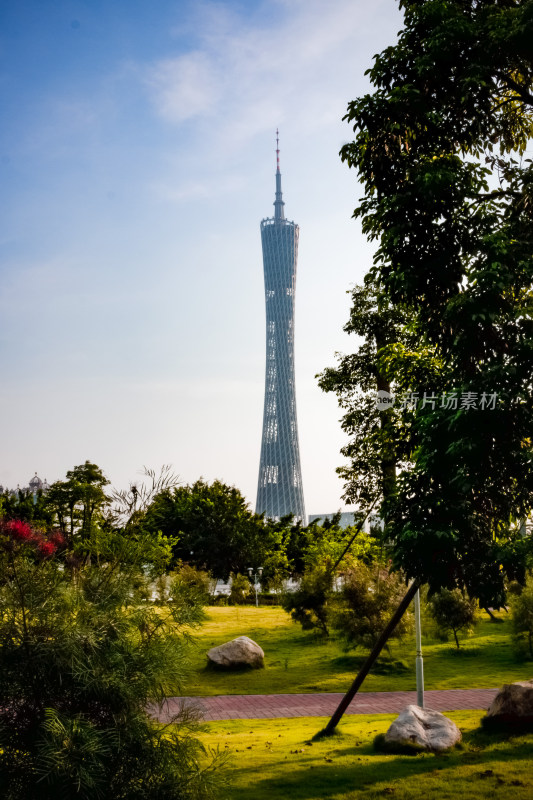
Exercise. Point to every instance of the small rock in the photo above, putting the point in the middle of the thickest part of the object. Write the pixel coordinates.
(512, 706)
(240, 652)
(424, 729)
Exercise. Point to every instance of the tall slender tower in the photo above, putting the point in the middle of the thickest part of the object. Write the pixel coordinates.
(279, 489)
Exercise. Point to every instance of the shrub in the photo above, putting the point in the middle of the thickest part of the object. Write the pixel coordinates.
(199, 581)
(522, 618)
(367, 600)
(83, 654)
(308, 605)
(453, 612)
(240, 589)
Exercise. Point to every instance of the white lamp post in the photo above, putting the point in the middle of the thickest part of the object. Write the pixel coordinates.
(256, 580)
(419, 659)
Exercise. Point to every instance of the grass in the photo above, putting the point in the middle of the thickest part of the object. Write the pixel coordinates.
(300, 662)
(273, 759)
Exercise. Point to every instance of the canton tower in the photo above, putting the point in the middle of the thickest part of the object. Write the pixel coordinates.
(279, 490)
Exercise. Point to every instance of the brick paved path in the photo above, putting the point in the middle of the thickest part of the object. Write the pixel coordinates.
(270, 706)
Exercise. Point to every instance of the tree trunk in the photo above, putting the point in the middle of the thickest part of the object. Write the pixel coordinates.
(365, 669)
(491, 615)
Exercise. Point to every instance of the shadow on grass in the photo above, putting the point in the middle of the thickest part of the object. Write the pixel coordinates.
(222, 669)
(383, 666)
(323, 781)
(465, 651)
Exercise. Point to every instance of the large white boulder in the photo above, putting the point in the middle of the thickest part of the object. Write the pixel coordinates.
(513, 705)
(240, 652)
(423, 728)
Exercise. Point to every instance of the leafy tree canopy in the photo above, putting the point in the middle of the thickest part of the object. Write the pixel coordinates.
(216, 530)
(77, 503)
(440, 148)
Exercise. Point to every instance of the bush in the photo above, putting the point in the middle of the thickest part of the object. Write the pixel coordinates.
(83, 654)
(368, 598)
(240, 589)
(453, 612)
(308, 605)
(522, 620)
(199, 581)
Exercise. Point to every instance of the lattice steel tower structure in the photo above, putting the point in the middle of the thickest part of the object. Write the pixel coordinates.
(279, 489)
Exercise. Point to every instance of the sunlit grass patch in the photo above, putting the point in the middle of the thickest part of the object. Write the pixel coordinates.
(298, 661)
(273, 759)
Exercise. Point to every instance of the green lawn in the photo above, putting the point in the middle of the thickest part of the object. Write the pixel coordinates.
(273, 759)
(298, 661)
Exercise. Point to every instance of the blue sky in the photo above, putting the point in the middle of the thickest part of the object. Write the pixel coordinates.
(136, 162)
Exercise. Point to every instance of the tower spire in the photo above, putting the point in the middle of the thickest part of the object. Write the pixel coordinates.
(278, 203)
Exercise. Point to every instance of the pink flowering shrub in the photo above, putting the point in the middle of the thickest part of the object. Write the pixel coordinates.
(18, 530)
(15, 533)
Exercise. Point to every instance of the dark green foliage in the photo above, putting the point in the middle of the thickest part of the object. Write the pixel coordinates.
(240, 589)
(378, 439)
(453, 612)
(212, 528)
(448, 199)
(26, 506)
(522, 613)
(368, 597)
(308, 605)
(198, 581)
(215, 530)
(76, 504)
(83, 654)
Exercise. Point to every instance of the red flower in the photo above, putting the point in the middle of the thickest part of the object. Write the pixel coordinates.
(46, 549)
(57, 538)
(19, 530)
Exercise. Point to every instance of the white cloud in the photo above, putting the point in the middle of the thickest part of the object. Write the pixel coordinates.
(184, 87)
(195, 189)
(250, 76)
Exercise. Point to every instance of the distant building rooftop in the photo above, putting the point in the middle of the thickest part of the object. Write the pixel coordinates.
(347, 518)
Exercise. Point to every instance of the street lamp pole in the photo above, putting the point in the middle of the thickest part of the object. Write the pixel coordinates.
(256, 581)
(419, 659)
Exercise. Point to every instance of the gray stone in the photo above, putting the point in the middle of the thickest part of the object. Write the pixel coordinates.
(512, 705)
(240, 652)
(423, 728)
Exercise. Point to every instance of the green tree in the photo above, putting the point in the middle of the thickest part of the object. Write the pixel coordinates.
(240, 589)
(309, 603)
(215, 530)
(77, 503)
(368, 596)
(449, 200)
(453, 612)
(24, 505)
(379, 439)
(83, 655)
